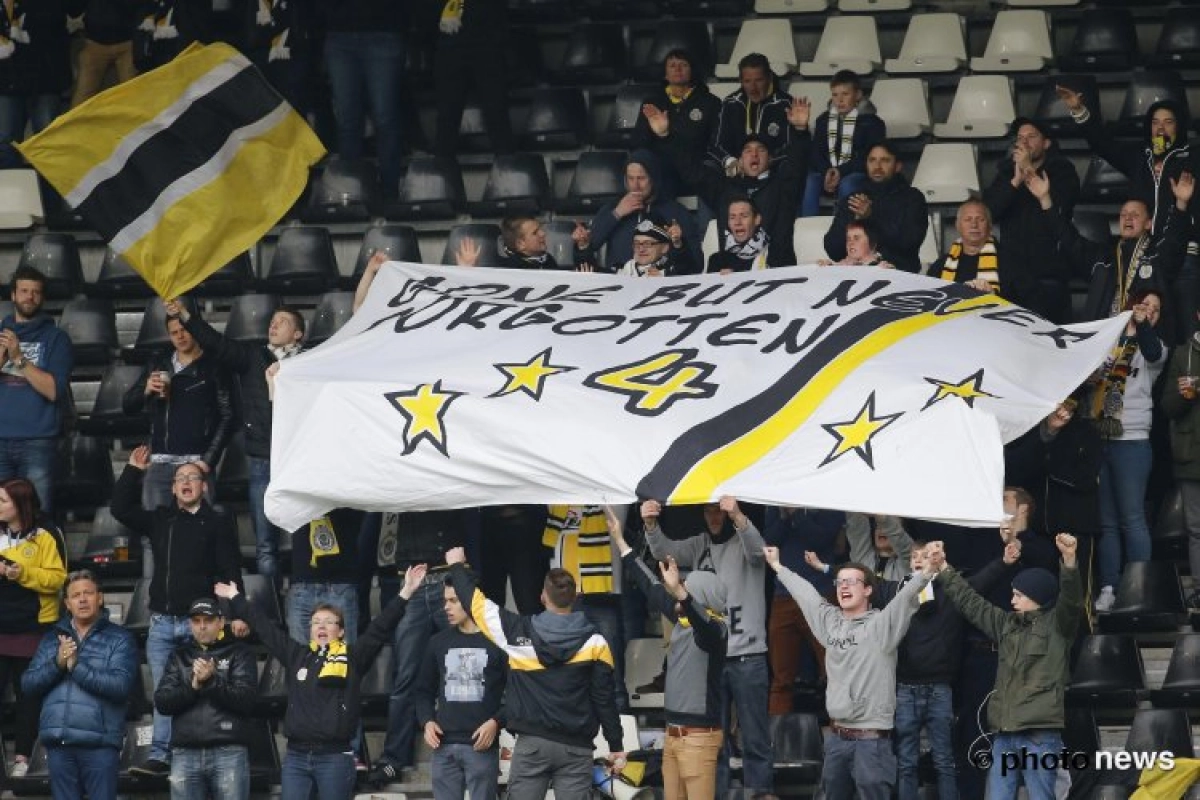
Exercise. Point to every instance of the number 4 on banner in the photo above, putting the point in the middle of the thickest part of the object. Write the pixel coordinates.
(654, 384)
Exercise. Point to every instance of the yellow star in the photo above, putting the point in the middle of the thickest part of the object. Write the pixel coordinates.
(529, 377)
(424, 410)
(856, 434)
(968, 389)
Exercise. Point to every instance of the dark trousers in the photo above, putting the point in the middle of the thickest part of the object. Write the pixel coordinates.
(28, 708)
(512, 550)
(457, 70)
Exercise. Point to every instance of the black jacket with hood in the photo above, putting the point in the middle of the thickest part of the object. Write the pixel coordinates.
(899, 217)
(740, 118)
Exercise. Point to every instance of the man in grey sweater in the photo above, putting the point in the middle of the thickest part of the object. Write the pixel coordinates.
(732, 548)
(860, 660)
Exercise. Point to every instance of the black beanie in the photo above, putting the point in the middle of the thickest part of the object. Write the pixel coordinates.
(1038, 584)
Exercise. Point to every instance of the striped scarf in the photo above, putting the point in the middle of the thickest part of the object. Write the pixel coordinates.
(988, 267)
(12, 28)
(452, 14)
(840, 149)
(1108, 396)
(336, 665)
(582, 546)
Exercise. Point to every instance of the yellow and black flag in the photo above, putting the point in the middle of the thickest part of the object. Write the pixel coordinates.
(183, 168)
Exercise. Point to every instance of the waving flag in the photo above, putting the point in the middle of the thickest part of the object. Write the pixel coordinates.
(183, 168)
(850, 388)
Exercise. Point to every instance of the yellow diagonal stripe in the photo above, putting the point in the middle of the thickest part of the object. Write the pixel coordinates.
(703, 479)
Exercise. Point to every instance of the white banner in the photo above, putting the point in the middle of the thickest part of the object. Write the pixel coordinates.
(835, 387)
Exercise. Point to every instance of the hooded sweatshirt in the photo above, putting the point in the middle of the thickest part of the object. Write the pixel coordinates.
(899, 215)
(28, 415)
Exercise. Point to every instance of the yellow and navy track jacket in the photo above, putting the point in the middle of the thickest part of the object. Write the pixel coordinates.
(32, 601)
(560, 682)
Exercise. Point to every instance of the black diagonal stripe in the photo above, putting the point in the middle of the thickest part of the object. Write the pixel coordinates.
(187, 143)
(697, 443)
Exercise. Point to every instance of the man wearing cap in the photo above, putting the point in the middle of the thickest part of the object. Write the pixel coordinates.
(208, 689)
(1034, 281)
(1034, 642)
(657, 251)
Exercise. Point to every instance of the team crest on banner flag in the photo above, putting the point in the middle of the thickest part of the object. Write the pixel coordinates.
(849, 388)
(183, 168)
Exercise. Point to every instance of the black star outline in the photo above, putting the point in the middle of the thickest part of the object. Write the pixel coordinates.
(424, 409)
(850, 434)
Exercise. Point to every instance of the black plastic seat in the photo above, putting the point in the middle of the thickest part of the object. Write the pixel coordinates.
(559, 244)
(233, 473)
(135, 752)
(1149, 598)
(523, 57)
(473, 134)
(797, 745)
(333, 311)
(1181, 686)
(1105, 39)
(542, 11)
(676, 34)
(432, 188)
(1108, 674)
(250, 317)
(55, 255)
(1154, 730)
(627, 107)
(1169, 536)
(229, 281)
(1178, 44)
(593, 53)
(344, 191)
(1094, 225)
(599, 179)
(303, 263)
(271, 699)
(1103, 183)
(108, 418)
(1080, 731)
(92, 326)
(376, 688)
(1145, 89)
(118, 279)
(99, 553)
(1051, 111)
(484, 234)
(84, 471)
(263, 755)
(620, 10)
(557, 120)
(517, 184)
(400, 242)
(137, 616)
(260, 593)
(706, 9)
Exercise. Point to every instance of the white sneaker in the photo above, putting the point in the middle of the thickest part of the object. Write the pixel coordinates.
(1106, 599)
(19, 769)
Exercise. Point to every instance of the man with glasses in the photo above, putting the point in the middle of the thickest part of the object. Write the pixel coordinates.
(658, 251)
(860, 659)
(194, 547)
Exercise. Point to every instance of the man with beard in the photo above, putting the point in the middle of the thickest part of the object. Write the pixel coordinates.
(35, 370)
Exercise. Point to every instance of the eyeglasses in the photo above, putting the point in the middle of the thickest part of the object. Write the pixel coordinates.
(645, 245)
(189, 479)
(847, 581)
(325, 623)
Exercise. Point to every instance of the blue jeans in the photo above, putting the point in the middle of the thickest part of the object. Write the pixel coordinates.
(1004, 781)
(867, 766)
(266, 534)
(303, 597)
(1123, 478)
(457, 767)
(197, 772)
(745, 684)
(166, 634)
(605, 613)
(814, 187)
(74, 770)
(32, 459)
(317, 776)
(927, 706)
(17, 111)
(366, 69)
(424, 617)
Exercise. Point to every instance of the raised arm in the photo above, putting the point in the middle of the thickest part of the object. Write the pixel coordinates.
(234, 355)
(686, 552)
(127, 494)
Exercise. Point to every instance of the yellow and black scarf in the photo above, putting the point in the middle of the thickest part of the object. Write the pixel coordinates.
(452, 14)
(1108, 395)
(988, 268)
(335, 667)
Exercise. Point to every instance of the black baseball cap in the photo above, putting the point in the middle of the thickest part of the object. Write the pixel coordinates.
(205, 607)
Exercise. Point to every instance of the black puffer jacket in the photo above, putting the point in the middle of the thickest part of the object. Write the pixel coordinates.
(216, 713)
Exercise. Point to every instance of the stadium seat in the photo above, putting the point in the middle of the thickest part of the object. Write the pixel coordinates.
(643, 661)
(872, 6)
(99, 554)
(593, 53)
(599, 179)
(542, 11)
(1178, 44)
(21, 204)
(676, 34)
(790, 6)
(1145, 89)
(850, 42)
(706, 9)
(398, 241)
(233, 473)
(1080, 732)
(1168, 536)
(432, 188)
(263, 755)
(808, 239)
(930, 248)
(708, 244)
(932, 43)
(333, 311)
(557, 120)
(84, 471)
(271, 698)
(1105, 39)
(1051, 111)
(983, 108)
(118, 279)
(250, 317)
(1019, 42)
(303, 262)
(55, 255)
(619, 10)
(1040, 3)
(1093, 225)
(484, 234)
(517, 184)
(1108, 673)
(260, 593)
(523, 57)
(1181, 685)
(229, 281)
(1155, 730)
(376, 689)
(559, 244)
(1149, 598)
(343, 191)
(108, 418)
(137, 616)
(1103, 183)
(797, 745)
(947, 172)
(770, 37)
(627, 107)
(92, 326)
(904, 104)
